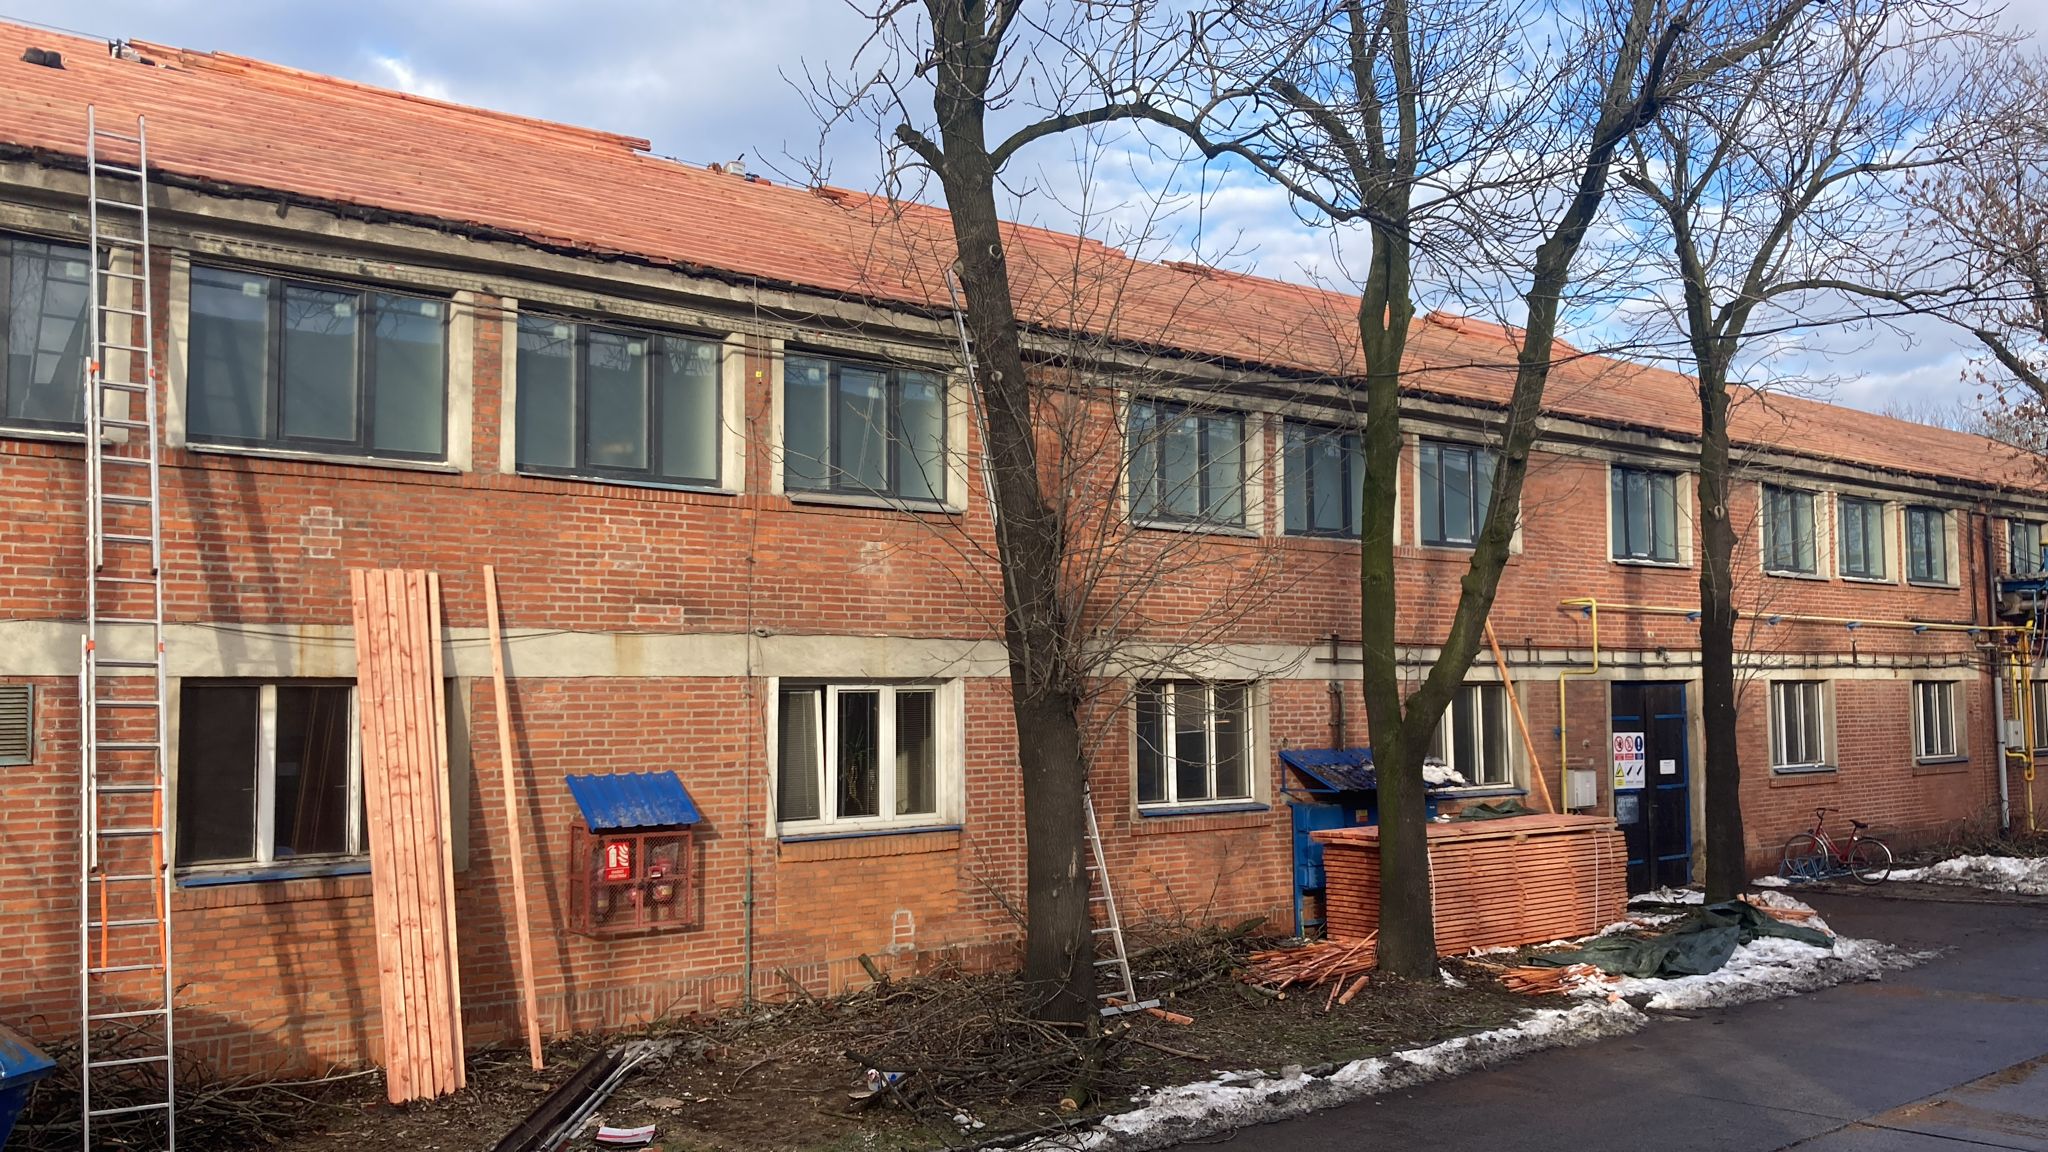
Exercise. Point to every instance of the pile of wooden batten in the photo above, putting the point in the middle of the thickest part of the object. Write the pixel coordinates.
(1495, 883)
(404, 722)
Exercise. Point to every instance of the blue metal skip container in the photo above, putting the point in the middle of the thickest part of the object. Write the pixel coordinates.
(21, 1065)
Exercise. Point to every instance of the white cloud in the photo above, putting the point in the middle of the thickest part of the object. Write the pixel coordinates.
(400, 74)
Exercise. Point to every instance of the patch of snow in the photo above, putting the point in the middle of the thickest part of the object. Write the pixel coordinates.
(1771, 882)
(1670, 896)
(1231, 1100)
(1451, 981)
(1439, 774)
(2027, 877)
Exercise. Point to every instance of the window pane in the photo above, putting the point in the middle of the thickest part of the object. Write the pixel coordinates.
(1462, 755)
(807, 388)
(217, 730)
(916, 753)
(226, 393)
(1810, 748)
(1223, 469)
(616, 402)
(409, 347)
(1854, 561)
(313, 788)
(1180, 455)
(547, 393)
(859, 750)
(1354, 451)
(1151, 745)
(1326, 481)
(1802, 528)
(319, 400)
(1482, 487)
(690, 410)
(1664, 517)
(860, 433)
(1232, 754)
(1638, 502)
(1458, 504)
(1294, 465)
(1432, 495)
(1143, 449)
(42, 343)
(921, 459)
(1190, 742)
(797, 767)
(1493, 736)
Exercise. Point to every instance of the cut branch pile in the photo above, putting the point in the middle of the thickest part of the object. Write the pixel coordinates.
(1345, 961)
(1788, 915)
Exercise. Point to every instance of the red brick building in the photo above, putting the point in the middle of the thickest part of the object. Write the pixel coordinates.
(715, 435)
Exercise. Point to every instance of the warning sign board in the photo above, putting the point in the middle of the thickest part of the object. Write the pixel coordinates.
(1628, 760)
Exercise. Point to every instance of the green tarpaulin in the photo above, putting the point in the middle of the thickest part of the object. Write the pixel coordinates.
(1696, 944)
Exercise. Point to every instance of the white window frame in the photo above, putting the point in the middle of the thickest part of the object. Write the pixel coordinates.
(946, 773)
(2013, 526)
(266, 785)
(1820, 700)
(1169, 735)
(1441, 745)
(1944, 741)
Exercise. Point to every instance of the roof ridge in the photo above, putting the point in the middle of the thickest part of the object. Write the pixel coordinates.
(286, 76)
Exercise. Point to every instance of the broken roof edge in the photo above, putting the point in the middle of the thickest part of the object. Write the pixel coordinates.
(284, 76)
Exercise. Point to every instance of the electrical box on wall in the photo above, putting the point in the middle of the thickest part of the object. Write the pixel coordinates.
(633, 857)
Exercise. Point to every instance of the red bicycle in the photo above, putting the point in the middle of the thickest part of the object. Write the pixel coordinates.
(1816, 855)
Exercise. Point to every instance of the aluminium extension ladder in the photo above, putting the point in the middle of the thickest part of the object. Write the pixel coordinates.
(126, 1067)
(1114, 987)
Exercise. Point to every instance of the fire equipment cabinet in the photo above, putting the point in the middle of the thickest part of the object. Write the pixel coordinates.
(633, 856)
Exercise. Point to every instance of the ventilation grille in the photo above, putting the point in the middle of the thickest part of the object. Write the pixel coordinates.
(17, 724)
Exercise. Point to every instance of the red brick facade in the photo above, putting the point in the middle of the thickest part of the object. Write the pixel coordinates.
(649, 628)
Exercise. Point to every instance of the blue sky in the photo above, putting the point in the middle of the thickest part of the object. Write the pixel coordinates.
(711, 80)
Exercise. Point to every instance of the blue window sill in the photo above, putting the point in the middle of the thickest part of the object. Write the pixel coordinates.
(275, 873)
(867, 833)
(1201, 810)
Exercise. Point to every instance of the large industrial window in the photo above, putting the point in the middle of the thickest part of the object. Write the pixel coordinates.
(1927, 545)
(863, 430)
(267, 774)
(1799, 725)
(1789, 540)
(1643, 506)
(1186, 465)
(2023, 540)
(1457, 489)
(857, 756)
(614, 404)
(1324, 470)
(43, 340)
(1194, 743)
(1472, 737)
(1862, 530)
(283, 364)
(1934, 720)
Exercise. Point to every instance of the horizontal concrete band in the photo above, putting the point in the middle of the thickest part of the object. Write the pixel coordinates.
(52, 648)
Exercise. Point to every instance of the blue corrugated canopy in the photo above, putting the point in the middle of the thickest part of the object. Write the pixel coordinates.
(20, 1062)
(1335, 769)
(633, 800)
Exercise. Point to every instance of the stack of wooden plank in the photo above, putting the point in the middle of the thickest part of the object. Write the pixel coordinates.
(1495, 883)
(403, 716)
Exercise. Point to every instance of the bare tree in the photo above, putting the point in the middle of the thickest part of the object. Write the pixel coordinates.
(1776, 191)
(1472, 142)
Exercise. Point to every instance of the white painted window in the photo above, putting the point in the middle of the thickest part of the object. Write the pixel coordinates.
(1934, 720)
(1194, 743)
(1472, 736)
(1799, 725)
(267, 774)
(864, 756)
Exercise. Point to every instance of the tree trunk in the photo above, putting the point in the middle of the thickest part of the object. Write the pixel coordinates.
(1724, 837)
(1044, 700)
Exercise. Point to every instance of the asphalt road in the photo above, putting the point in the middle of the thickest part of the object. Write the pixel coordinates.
(1951, 1056)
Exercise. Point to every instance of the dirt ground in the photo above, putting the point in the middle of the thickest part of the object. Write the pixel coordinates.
(781, 1078)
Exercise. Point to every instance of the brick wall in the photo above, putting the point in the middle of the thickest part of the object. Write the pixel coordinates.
(282, 974)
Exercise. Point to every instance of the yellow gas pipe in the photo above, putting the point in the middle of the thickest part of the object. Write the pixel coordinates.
(1592, 608)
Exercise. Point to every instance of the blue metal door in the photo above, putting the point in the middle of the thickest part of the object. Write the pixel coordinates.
(1656, 814)
(1308, 856)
